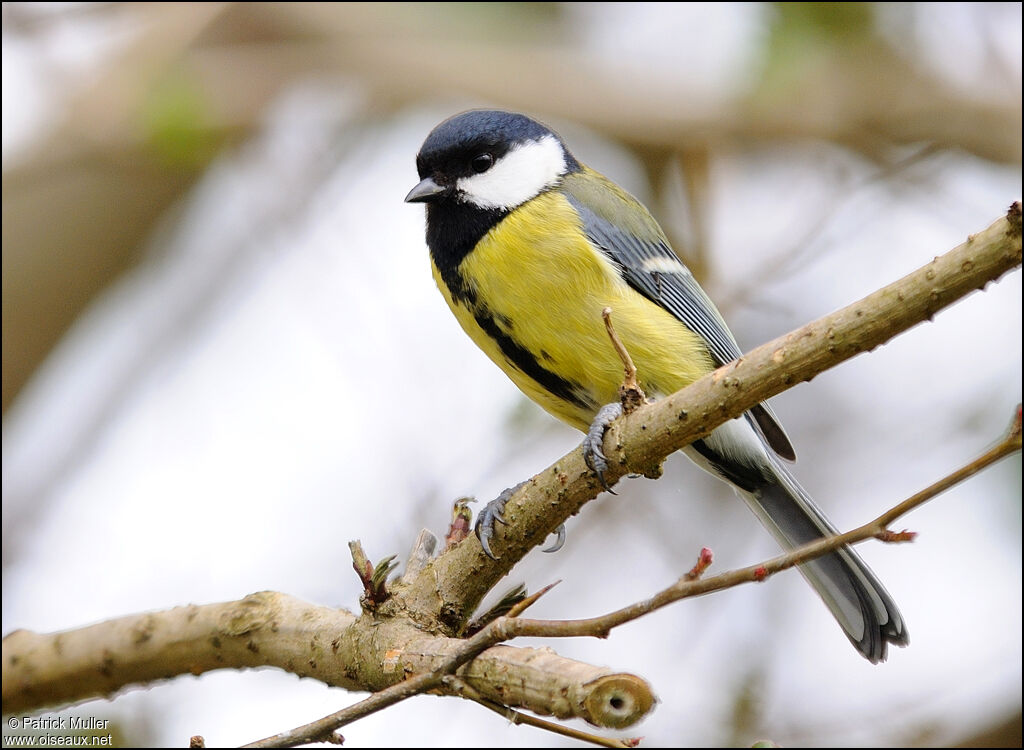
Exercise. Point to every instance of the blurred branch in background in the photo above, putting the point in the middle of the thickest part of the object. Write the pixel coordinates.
(203, 411)
(131, 137)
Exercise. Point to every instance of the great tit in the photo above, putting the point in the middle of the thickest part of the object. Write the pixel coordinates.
(528, 246)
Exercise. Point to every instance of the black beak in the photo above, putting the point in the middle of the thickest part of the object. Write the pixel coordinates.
(425, 192)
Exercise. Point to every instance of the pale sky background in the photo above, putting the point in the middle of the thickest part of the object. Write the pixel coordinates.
(285, 377)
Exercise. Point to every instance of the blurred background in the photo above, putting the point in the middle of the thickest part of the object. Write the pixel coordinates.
(224, 356)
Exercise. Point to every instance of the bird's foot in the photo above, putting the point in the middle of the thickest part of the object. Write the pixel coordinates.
(491, 514)
(494, 512)
(593, 443)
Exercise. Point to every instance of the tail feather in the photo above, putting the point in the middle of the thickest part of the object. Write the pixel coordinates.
(855, 596)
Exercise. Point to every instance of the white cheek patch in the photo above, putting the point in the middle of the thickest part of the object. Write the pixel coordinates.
(664, 264)
(516, 177)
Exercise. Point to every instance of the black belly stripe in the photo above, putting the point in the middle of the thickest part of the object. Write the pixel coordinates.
(522, 358)
(453, 230)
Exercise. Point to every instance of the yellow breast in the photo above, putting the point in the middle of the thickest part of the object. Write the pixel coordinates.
(538, 282)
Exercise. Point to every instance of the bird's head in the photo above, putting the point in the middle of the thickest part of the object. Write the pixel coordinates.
(490, 159)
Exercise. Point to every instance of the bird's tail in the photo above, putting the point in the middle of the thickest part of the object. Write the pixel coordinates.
(855, 596)
(857, 599)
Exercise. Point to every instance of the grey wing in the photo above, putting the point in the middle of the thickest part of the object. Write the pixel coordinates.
(652, 268)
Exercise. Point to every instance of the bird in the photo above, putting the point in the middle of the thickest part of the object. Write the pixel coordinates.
(528, 245)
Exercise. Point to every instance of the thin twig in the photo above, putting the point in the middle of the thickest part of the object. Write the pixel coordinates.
(461, 688)
(630, 392)
(508, 627)
(1011, 443)
(620, 349)
(787, 260)
(704, 560)
(252, 632)
(317, 730)
(687, 587)
(529, 601)
(656, 430)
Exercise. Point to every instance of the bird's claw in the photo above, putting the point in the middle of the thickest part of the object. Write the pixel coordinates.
(559, 542)
(593, 443)
(492, 513)
(593, 455)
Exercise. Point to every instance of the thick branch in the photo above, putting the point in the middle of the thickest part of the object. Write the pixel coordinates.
(458, 580)
(269, 629)
(691, 585)
(98, 660)
(615, 702)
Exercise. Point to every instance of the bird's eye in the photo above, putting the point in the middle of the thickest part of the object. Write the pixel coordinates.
(482, 163)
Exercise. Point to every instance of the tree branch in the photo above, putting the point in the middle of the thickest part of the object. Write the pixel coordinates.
(270, 629)
(640, 441)
(381, 649)
(689, 586)
(605, 700)
(616, 697)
